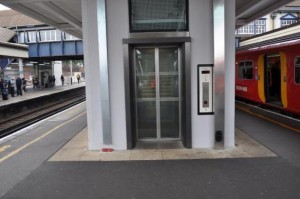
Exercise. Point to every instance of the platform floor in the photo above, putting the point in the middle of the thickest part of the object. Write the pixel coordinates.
(34, 93)
(209, 175)
(76, 150)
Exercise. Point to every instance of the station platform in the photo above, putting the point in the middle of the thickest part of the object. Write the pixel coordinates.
(51, 160)
(34, 93)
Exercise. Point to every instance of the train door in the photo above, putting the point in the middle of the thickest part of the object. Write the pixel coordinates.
(273, 79)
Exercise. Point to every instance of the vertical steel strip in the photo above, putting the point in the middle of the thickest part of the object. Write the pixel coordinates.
(219, 53)
(179, 87)
(157, 87)
(104, 81)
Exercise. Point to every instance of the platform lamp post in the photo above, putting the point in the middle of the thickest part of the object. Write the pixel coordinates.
(21, 68)
(71, 70)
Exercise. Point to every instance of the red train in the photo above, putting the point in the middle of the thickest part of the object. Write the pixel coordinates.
(270, 75)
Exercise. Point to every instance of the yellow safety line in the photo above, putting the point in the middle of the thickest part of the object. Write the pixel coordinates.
(37, 139)
(268, 119)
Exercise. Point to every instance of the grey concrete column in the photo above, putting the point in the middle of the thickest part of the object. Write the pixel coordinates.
(21, 67)
(97, 84)
(57, 71)
(71, 68)
(224, 53)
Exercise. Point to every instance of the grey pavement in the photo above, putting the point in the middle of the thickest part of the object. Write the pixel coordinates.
(276, 177)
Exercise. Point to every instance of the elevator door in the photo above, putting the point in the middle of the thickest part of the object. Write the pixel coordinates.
(157, 93)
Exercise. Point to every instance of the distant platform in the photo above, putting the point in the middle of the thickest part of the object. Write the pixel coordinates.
(35, 93)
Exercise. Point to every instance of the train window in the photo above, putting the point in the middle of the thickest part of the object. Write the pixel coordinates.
(297, 70)
(245, 70)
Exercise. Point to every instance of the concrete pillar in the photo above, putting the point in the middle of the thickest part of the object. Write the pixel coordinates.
(97, 84)
(71, 70)
(21, 67)
(224, 53)
(201, 15)
(57, 71)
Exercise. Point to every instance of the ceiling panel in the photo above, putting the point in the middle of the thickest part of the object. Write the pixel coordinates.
(66, 14)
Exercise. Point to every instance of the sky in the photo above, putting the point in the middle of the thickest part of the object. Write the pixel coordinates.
(3, 7)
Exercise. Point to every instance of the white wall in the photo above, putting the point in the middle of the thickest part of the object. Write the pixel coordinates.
(201, 32)
(57, 71)
(117, 29)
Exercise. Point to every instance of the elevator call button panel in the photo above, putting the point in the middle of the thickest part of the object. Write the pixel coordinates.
(205, 89)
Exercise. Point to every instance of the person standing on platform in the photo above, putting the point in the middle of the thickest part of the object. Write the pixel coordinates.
(24, 84)
(53, 80)
(11, 87)
(78, 78)
(19, 86)
(62, 79)
(3, 90)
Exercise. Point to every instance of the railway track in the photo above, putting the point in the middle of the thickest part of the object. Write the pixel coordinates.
(28, 116)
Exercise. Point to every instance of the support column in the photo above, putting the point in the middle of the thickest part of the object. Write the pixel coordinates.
(21, 67)
(57, 71)
(224, 55)
(71, 71)
(97, 84)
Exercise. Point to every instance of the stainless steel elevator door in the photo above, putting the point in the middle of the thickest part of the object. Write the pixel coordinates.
(157, 92)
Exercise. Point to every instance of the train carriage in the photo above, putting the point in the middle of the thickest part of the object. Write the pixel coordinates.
(270, 75)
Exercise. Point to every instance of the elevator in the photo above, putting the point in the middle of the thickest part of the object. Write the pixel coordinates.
(157, 93)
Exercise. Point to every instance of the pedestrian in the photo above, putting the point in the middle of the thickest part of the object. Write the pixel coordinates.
(24, 84)
(50, 80)
(34, 81)
(3, 90)
(11, 86)
(53, 80)
(62, 79)
(19, 86)
(78, 78)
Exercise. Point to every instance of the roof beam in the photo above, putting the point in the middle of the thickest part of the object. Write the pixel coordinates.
(7, 2)
(246, 7)
(269, 9)
(23, 9)
(58, 12)
(240, 22)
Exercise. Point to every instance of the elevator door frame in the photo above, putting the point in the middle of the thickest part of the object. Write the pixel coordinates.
(157, 98)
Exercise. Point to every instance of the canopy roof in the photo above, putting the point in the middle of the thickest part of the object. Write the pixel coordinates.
(66, 14)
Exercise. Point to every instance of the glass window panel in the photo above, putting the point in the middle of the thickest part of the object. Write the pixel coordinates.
(45, 35)
(157, 15)
(42, 35)
(52, 35)
(21, 37)
(31, 36)
(169, 119)
(248, 70)
(168, 72)
(145, 73)
(245, 70)
(146, 119)
(58, 35)
(241, 70)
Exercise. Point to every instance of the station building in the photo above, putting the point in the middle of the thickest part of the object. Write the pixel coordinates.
(156, 71)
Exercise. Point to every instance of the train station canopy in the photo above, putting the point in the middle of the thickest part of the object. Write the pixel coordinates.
(66, 14)
(8, 49)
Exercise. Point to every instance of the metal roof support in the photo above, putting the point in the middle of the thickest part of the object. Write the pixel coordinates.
(224, 67)
(97, 82)
(51, 7)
